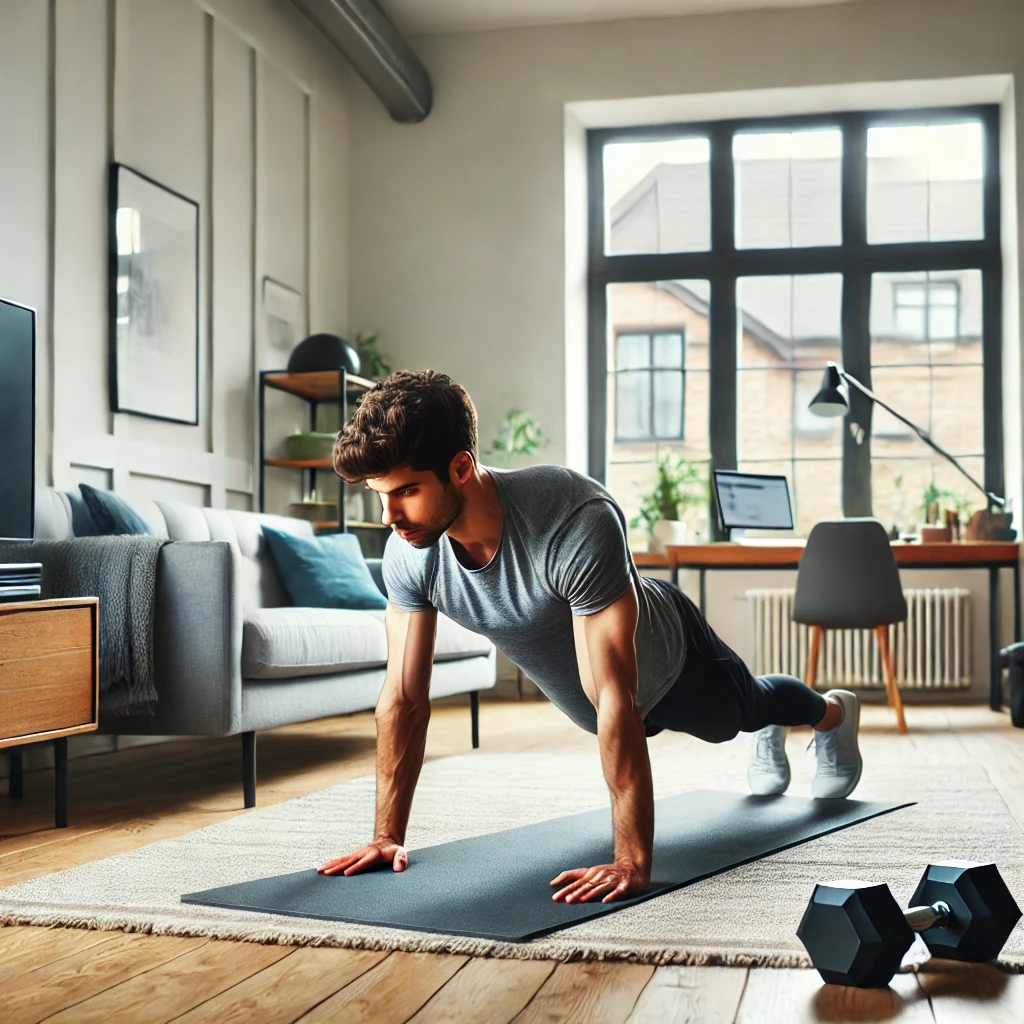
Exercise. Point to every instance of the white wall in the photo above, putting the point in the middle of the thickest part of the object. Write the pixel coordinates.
(459, 225)
(237, 104)
(458, 228)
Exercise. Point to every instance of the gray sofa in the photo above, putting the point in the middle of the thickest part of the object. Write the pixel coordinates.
(233, 656)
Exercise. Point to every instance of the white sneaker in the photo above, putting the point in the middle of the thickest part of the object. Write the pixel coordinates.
(768, 774)
(839, 760)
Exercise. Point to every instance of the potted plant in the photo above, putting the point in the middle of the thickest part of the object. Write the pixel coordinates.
(678, 484)
(931, 501)
(374, 363)
(519, 434)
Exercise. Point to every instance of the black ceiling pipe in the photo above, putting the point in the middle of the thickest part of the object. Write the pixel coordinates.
(374, 47)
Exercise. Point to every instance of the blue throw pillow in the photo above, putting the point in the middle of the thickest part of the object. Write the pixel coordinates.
(111, 514)
(82, 524)
(324, 572)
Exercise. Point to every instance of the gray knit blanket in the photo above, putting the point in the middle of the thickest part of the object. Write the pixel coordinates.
(121, 572)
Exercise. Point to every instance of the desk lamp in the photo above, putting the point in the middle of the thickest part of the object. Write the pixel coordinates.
(831, 402)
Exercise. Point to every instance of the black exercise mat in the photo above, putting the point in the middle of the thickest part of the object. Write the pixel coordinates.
(496, 886)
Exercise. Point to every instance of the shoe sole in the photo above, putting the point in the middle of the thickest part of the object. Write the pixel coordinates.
(860, 761)
(770, 792)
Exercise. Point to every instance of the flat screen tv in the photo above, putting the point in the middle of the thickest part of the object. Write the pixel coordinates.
(17, 420)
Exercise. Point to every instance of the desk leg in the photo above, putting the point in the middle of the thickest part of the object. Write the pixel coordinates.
(16, 783)
(61, 783)
(703, 595)
(995, 696)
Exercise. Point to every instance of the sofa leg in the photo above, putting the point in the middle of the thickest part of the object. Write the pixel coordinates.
(249, 768)
(474, 714)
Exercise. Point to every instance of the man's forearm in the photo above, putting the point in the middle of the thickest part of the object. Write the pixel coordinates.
(627, 770)
(401, 741)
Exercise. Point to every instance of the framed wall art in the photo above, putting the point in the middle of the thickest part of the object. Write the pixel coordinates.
(284, 317)
(154, 299)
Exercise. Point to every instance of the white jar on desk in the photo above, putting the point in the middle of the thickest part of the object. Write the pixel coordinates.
(668, 531)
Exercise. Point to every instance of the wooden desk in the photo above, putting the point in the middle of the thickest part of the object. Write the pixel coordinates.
(990, 555)
(49, 682)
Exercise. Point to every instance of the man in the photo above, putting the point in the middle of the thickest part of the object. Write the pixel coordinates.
(536, 560)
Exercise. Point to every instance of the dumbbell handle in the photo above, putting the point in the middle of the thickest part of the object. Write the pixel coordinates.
(923, 918)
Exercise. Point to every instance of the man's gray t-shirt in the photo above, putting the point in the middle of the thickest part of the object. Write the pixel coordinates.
(562, 552)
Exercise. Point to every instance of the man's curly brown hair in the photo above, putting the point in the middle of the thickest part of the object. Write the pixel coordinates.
(422, 420)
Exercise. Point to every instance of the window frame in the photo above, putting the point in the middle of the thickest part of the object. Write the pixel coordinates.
(650, 368)
(723, 264)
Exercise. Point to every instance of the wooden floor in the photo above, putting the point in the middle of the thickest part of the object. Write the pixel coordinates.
(120, 801)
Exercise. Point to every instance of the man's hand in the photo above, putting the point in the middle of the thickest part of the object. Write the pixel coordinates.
(612, 881)
(383, 850)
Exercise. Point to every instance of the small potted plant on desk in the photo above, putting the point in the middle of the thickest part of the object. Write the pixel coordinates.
(678, 484)
(945, 512)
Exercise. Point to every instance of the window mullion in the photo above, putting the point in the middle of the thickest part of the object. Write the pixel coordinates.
(856, 334)
(652, 427)
(722, 333)
(992, 314)
(597, 379)
(992, 380)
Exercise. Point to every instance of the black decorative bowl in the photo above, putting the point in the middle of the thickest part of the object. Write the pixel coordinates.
(323, 352)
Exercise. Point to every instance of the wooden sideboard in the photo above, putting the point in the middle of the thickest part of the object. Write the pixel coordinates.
(49, 682)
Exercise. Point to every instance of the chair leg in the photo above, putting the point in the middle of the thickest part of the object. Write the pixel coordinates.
(474, 714)
(891, 689)
(249, 768)
(812, 658)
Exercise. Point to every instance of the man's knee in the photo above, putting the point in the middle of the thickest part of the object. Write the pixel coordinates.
(720, 733)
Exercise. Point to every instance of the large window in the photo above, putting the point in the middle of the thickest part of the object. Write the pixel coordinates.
(730, 262)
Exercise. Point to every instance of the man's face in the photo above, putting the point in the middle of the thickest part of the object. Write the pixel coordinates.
(417, 506)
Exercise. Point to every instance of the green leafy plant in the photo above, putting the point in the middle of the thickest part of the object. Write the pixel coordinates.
(518, 434)
(934, 497)
(678, 483)
(371, 361)
(931, 499)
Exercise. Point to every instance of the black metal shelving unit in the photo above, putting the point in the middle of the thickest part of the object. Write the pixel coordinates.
(337, 387)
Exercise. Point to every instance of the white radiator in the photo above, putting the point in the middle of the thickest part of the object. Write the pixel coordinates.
(931, 650)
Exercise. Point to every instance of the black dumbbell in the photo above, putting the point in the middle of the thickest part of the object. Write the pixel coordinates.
(856, 933)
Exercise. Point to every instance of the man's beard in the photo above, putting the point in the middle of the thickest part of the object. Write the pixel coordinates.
(428, 534)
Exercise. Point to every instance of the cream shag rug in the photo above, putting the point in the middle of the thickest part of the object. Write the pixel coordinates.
(747, 916)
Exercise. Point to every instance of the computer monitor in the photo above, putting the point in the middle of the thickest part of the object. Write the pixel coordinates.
(17, 420)
(753, 501)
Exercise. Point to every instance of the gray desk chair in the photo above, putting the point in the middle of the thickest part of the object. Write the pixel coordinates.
(848, 580)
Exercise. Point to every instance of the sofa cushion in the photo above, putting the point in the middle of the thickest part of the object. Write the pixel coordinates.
(53, 515)
(281, 643)
(185, 522)
(82, 522)
(324, 572)
(284, 643)
(111, 514)
(260, 584)
(454, 641)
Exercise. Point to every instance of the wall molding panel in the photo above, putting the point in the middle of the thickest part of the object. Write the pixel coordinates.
(237, 104)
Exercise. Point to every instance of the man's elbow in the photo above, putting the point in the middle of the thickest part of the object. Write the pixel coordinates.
(405, 709)
(617, 708)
